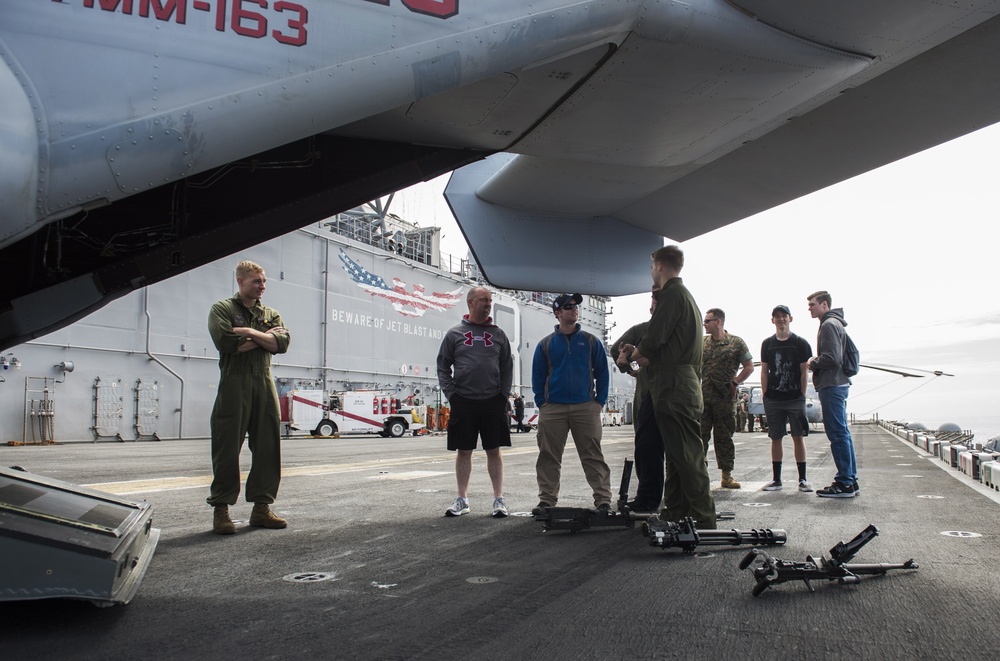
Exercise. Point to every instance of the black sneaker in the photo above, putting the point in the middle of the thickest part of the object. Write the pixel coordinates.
(857, 489)
(636, 506)
(837, 490)
(604, 507)
(541, 508)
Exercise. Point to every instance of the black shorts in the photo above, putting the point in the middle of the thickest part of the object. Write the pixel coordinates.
(472, 419)
(780, 411)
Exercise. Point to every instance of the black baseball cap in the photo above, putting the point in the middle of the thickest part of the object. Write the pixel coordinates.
(564, 299)
(781, 308)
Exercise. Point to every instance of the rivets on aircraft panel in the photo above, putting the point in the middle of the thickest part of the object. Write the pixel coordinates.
(756, 504)
(930, 497)
(481, 579)
(308, 577)
(960, 533)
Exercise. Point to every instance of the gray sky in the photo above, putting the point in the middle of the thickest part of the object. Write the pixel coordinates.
(908, 250)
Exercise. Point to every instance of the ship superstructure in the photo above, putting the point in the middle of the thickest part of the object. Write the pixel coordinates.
(367, 296)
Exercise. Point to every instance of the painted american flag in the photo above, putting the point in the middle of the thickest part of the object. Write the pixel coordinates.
(407, 303)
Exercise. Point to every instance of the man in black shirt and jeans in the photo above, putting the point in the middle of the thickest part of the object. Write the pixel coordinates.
(784, 372)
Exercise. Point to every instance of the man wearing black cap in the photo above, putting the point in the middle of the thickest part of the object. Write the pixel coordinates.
(570, 380)
(784, 372)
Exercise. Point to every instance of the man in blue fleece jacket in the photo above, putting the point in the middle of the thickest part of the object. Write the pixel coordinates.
(570, 379)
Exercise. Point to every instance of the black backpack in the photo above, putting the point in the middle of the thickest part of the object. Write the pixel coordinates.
(852, 357)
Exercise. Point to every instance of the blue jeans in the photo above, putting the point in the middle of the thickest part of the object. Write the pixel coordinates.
(833, 399)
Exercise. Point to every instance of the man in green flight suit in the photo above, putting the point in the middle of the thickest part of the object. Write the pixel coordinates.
(723, 354)
(648, 444)
(672, 345)
(246, 333)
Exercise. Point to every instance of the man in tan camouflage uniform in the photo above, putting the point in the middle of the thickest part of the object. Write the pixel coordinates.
(741, 412)
(723, 354)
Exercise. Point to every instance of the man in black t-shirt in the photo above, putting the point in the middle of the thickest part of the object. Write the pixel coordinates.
(784, 371)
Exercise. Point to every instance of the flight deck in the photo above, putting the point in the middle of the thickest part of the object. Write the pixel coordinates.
(369, 568)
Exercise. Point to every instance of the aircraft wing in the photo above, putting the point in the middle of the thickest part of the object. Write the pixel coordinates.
(904, 371)
(142, 138)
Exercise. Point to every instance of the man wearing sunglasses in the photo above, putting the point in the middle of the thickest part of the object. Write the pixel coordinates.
(570, 379)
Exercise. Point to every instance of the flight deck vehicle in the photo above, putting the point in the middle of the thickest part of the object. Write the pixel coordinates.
(354, 412)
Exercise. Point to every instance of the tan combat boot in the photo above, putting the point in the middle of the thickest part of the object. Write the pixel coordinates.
(263, 517)
(728, 482)
(221, 523)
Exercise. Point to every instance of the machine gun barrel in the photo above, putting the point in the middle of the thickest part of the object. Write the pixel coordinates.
(879, 568)
(684, 535)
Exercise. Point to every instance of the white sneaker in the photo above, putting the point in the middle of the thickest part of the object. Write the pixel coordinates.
(805, 487)
(458, 508)
(772, 486)
(499, 508)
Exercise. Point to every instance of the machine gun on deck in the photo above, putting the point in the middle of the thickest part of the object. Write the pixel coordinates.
(581, 518)
(772, 571)
(684, 535)
(575, 519)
